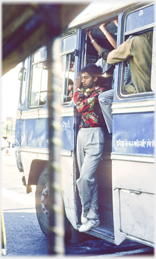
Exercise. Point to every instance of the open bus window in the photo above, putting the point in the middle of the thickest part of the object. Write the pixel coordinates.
(69, 62)
(92, 55)
(39, 79)
(138, 23)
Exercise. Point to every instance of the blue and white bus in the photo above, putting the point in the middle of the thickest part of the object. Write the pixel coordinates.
(126, 176)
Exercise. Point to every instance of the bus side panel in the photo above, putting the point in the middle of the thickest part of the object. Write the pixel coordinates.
(18, 132)
(133, 199)
(69, 189)
(67, 133)
(34, 133)
(34, 143)
(67, 168)
(133, 176)
(133, 134)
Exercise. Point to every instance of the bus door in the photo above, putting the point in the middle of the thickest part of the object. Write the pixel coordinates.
(90, 55)
(71, 61)
(133, 144)
(70, 66)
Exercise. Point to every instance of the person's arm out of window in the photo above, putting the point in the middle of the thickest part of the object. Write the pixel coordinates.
(120, 54)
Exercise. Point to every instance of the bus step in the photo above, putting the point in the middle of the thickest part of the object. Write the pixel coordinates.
(101, 232)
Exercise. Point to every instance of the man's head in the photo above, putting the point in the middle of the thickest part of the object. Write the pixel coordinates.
(70, 81)
(90, 75)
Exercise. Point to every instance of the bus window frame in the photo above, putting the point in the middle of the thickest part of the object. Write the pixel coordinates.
(21, 85)
(30, 85)
(120, 65)
(85, 31)
(64, 54)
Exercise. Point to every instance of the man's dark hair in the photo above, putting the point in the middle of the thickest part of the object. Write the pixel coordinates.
(92, 70)
(70, 81)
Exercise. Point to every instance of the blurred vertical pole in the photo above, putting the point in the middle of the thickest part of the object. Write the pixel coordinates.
(56, 241)
(56, 17)
(56, 219)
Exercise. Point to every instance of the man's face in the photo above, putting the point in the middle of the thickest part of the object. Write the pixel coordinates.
(87, 81)
(70, 87)
(70, 91)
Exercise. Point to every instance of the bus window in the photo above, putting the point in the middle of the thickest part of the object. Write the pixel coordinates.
(39, 80)
(139, 18)
(68, 47)
(68, 44)
(69, 68)
(138, 23)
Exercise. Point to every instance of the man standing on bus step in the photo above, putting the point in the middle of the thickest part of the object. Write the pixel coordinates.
(90, 142)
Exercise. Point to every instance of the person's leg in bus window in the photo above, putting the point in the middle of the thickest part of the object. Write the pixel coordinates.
(105, 101)
(106, 98)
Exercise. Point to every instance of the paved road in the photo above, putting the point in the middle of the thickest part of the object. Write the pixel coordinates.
(23, 234)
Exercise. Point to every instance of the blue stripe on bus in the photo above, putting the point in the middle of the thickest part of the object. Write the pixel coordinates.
(133, 133)
(34, 133)
(67, 133)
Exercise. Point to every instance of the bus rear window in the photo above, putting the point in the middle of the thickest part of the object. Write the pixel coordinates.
(39, 80)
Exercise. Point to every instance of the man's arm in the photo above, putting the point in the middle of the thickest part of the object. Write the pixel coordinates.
(88, 103)
(108, 35)
(82, 102)
(120, 54)
(95, 44)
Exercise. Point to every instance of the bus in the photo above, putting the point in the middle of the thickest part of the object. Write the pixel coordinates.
(126, 186)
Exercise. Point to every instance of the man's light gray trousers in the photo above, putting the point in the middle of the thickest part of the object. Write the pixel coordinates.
(90, 143)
